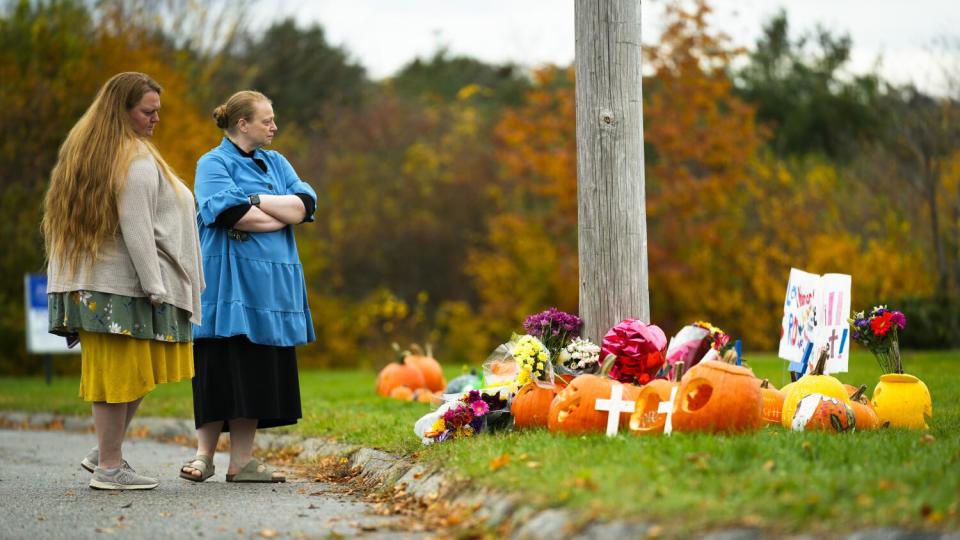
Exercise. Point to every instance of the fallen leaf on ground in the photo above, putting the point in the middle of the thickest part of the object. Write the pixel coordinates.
(533, 464)
(769, 465)
(927, 438)
(104, 530)
(69, 493)
(268, 533)
(655, 531)
(498, 462)
(128, 505)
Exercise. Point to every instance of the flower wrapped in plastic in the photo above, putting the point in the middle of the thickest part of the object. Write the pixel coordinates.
(692, 344)
(580, 356)
(638, 348)
(521, 360)
(474, 412)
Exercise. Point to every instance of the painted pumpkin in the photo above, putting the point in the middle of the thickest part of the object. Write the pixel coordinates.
(646, 418)
(772, 403)
(428, 366)
(394, 375)
(573, 410)
(718, 397)
(812, 383)
(531, 405)
(823, 413)
(902, 400)
(862, 410)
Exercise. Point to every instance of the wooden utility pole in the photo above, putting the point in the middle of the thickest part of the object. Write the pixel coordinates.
(610, 180)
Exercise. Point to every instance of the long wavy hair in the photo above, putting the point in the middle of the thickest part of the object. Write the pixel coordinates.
(80, 208)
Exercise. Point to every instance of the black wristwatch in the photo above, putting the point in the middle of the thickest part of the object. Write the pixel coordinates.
(254, 199)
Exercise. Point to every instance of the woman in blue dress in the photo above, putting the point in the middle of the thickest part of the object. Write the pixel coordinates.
(255, 305)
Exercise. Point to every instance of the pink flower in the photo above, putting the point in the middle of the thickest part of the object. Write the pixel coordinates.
(479, 407)
(899, 319)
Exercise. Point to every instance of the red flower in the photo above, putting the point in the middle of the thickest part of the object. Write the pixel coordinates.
(881, 325)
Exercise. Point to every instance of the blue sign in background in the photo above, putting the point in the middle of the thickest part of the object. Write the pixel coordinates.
(37, 292)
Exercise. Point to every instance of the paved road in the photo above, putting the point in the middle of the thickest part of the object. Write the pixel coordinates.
(44, 494)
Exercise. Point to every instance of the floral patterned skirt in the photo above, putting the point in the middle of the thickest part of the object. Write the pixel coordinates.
(106, 313)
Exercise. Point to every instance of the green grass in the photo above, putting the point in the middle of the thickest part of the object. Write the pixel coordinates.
(780, 480)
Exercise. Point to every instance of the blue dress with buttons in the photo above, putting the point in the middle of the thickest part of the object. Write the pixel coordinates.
(255, 284)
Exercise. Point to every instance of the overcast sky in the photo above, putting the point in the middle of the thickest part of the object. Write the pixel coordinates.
(383, 35)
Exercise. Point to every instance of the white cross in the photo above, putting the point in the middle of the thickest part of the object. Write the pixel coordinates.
(615, 406)
(667, 407)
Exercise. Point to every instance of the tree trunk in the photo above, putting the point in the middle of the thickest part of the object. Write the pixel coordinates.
(610, 177)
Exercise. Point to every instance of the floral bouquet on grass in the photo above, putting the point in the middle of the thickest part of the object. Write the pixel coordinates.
(533, 359)
(476, 411)
(554, 328)
(879, 331)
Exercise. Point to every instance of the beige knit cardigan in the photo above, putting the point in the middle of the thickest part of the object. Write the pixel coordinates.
(155, 252)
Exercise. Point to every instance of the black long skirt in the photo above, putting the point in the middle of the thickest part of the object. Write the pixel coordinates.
(235, 378)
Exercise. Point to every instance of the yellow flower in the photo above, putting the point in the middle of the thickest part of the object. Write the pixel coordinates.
(439, 426)
(542, 356)
(539, 366)
(92, 306)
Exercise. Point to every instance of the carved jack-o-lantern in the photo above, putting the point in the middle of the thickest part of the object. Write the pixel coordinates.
(715, 396)
(647, 418)
(823, 413)
(573, 410)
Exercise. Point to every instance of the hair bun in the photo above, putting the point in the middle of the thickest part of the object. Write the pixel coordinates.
(220, 115)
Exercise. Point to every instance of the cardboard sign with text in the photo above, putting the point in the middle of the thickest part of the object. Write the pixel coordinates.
(816, 309)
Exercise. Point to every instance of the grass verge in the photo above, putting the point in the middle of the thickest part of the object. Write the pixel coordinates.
(776, 479)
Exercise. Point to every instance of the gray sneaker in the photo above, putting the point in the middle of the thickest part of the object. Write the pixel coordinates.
(125, 478)
(92, 459)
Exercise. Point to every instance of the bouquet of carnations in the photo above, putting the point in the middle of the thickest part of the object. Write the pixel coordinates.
(879, 331)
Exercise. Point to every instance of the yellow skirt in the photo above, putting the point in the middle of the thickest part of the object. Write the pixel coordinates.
(120, 369)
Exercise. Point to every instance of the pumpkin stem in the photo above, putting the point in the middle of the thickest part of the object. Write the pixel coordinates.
(678, 371)
(765, 383)
(400, 354)
(821, 362)
(415, 349)
(859, 393)
(608, 362)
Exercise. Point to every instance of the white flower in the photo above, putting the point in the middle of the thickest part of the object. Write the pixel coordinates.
(115, 328)
(85, 297)
(160, 337)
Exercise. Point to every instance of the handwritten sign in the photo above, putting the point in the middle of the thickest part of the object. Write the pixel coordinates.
(816, 310)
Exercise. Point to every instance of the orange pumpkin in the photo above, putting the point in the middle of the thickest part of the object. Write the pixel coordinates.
(531, 405)
(646, 418)
(718, 397)
(823, 413)
(393, 375)
(772, 402)
(862, 410)
(401, 392)
(428, 366)
(574, 409)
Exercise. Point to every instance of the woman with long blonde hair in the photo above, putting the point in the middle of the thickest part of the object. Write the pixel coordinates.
(123, 265)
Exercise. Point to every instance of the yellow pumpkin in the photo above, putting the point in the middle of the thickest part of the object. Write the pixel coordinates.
(812, 383)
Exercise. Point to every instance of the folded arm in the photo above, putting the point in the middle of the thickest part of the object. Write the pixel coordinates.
(288, 209)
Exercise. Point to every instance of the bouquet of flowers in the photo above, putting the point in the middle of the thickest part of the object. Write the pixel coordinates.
(579, 356)
(554, 328)
(472, 413)
(533, 359)
(879, 331)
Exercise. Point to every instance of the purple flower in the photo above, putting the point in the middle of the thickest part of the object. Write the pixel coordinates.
(899, 319)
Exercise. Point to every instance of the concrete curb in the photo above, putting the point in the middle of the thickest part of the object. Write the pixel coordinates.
(380, 470)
